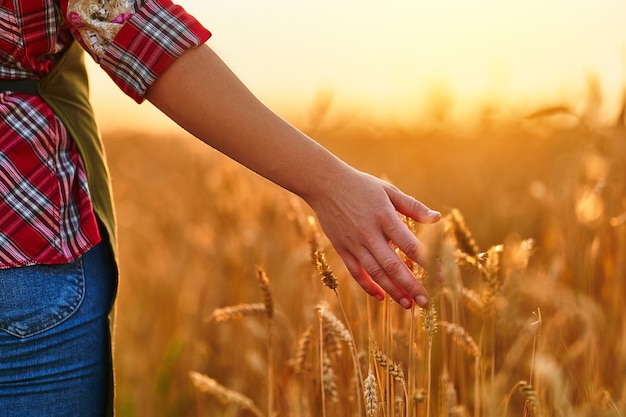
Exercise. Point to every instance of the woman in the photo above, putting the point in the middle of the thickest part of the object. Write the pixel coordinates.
(57, 226)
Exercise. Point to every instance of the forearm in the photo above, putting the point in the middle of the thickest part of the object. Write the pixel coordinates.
(357, 211)
(200, 93)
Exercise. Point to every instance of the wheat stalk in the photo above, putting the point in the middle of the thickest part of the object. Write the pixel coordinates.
(386, 363)
(394, 369)
(532, 400)
(369, 390)
(312, 237)
(429, 324)
(461, 337)
(468, 297)
(268, 301)
(224, 395)
(472, 300)
(266, 293)
(303, 348)
(237, 312)
(464, 239)
(429, 320)
(470, 261)
(447, 395)
(491, 266)
(333, 324)
(330, 386)
(323, 268)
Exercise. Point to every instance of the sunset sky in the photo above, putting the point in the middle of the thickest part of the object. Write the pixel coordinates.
(388, 58)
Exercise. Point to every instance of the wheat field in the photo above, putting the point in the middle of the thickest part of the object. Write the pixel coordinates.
(232, 303)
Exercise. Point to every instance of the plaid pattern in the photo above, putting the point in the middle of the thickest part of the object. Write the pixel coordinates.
(150, 41)
(45, 211)
(46, 216)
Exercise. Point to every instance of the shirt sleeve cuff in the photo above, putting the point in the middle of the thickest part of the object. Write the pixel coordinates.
(148, 43)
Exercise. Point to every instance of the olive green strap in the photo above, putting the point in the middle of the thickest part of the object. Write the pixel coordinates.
(66, 90)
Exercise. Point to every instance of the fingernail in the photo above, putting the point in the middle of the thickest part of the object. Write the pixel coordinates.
(379, 297)
(433, 213)
(406, 303)
(421, 300)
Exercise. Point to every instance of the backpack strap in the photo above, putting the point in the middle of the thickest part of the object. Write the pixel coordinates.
(22, 86)
(66, 90)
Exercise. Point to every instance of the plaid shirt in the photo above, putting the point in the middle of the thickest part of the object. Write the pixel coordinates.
(46, 216)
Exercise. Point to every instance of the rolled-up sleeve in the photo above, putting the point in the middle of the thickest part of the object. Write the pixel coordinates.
(144, 43)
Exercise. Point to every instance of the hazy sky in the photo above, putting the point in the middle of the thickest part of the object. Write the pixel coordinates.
(388, 57)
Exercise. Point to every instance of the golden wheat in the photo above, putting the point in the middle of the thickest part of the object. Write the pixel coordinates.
(266, 293)
(370, 393)
(312, 235)
(461, 337)
(429, 320)
(224, 395)
(237, 312)
(464, 239)
(472, 300)
(532, 400)
(330, 386)
(333, 324)
(304, 343)
(491, 266)
(324, 270)
(447, 395)
(394, 369)
(576, 280)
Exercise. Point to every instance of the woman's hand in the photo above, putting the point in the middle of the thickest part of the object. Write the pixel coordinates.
(358, 212)
(359, 215)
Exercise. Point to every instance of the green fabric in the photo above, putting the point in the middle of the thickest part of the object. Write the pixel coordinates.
(66, 90)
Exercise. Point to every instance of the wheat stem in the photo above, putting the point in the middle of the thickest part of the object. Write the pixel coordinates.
(321, 353)
(354, 353)
(429, 324)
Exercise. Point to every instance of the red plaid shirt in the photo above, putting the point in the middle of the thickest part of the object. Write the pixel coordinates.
(46, 216)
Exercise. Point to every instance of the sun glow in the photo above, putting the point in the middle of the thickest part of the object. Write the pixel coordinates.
(401, 58)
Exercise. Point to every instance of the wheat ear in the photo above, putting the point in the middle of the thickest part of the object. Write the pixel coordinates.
(464, 239)
(461, 337)
(303, 348)
(532, 400)
(237, 312)
(369, 391)
(266, 293)
(330, 387)
(224, 395)
(323, 268)
(394, 369)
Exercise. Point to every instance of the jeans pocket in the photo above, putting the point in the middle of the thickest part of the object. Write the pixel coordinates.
(36, 298)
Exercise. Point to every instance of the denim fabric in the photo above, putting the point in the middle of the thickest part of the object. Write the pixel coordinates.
(55, 347)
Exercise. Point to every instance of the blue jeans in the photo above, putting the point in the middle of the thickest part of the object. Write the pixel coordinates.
(55, 344)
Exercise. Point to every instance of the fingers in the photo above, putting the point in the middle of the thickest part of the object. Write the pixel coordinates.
(399, 234)
(390, 272)
(382, 268)
(364, 243)
(411, 207)
(361, 277)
